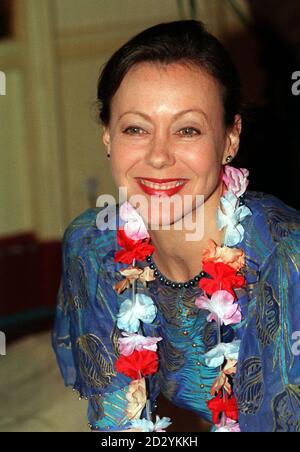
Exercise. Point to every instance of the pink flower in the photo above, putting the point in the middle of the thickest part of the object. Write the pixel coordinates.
(236, 180)
(229, 427)
(134, 226)
(221, 307)
(132, 342)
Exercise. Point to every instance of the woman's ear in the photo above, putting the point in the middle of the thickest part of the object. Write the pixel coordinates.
(106, 139)
(233, 139)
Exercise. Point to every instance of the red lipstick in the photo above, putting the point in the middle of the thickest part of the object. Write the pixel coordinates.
(161, 181)
(161, 192)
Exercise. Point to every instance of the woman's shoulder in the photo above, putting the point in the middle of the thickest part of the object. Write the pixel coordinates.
(272, 207)
(274, 232)
(272, 216)
(90, 231)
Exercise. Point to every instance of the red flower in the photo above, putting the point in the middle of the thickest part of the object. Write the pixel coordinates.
(139, 364)
(133, 249)
(224, 277)
(223, 404)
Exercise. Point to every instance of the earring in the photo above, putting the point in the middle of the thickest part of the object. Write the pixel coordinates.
(229, 159)
(108, 156)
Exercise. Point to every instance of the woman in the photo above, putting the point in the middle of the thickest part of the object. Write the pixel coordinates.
(132, 318)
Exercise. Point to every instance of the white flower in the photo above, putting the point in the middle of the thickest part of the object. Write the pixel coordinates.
(216, 357)
(231, 216)
(131, 314)
(148, 426)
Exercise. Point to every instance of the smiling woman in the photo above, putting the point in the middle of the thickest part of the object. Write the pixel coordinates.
(206, 316)
(169, 129)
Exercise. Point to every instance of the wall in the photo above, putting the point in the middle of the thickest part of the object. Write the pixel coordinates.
(50, 142)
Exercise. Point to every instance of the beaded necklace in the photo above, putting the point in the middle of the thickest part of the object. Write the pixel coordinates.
(223, 273)
(174, 285)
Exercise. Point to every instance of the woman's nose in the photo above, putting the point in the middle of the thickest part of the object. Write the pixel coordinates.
(160, 154)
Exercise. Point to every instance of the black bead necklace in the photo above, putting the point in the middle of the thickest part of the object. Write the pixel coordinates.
(175, 285)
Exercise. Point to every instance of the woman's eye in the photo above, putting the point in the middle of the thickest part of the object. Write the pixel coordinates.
(189, 132)
(134, 130)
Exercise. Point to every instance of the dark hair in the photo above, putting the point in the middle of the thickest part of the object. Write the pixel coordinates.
(179, 41)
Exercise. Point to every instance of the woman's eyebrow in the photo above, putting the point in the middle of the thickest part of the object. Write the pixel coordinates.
(133, 112)
(180, 113)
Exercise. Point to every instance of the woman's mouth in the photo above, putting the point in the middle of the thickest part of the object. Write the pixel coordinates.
(161, 187)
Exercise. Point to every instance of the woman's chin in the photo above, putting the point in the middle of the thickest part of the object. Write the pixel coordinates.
(161, 220)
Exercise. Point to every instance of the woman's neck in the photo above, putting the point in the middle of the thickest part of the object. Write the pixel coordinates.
(178, 258)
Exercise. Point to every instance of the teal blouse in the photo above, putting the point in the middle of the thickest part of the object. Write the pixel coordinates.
(267, 384)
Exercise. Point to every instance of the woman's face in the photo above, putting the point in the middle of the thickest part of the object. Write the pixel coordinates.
(167, 123)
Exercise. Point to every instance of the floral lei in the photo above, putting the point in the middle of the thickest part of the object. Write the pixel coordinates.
(224, 269)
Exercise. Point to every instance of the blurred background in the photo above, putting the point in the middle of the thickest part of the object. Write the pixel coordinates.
(53, 166)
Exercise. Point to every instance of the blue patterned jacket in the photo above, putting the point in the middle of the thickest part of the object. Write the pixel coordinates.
(267, 384)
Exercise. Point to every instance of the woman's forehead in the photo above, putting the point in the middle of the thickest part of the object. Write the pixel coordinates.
(149, 73)
(174, 86)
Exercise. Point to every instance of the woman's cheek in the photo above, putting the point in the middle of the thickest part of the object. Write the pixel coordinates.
(203, 160)
(121, 165)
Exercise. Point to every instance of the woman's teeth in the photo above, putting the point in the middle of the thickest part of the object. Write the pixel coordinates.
(163, 186)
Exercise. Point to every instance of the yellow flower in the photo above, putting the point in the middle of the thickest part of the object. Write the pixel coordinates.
(231, 256)
(137, 399)
(222, 381)
(131, 274)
